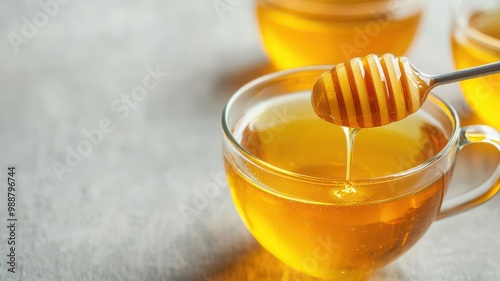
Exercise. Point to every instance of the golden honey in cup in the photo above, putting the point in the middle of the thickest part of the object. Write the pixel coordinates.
(310, 32)
(343, 230)
(475, 41)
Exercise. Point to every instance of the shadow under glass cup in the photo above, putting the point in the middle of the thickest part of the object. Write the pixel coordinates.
(475, 41)
(286, 172)
(311, 32)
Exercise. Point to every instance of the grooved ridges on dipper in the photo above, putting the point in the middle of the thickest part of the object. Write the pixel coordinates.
(369, 92)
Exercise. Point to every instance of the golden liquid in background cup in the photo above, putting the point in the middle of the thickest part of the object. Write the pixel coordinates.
(475, 41)
(311, 32)
(286, 170)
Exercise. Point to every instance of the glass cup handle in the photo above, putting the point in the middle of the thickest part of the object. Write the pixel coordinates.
(486, 190)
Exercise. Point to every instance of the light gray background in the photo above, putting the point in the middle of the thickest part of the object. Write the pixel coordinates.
(117, 216)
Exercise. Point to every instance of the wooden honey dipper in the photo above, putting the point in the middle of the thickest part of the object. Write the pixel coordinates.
(375, 90)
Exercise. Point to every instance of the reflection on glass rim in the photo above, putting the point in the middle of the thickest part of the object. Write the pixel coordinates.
(393, 8)
(462, 27)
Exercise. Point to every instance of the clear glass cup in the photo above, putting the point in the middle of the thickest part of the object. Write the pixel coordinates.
(311, 32)
(475, 40)
(308, 215)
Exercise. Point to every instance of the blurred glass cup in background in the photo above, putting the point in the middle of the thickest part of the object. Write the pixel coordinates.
(309, 32)
(475, 40)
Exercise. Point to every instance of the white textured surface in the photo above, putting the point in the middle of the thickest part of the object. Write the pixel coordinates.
(116, 215)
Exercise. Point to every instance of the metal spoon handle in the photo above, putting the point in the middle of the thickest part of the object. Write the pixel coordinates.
(467, 73)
